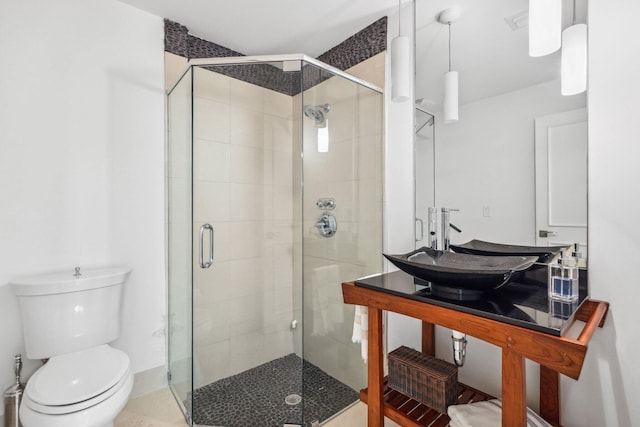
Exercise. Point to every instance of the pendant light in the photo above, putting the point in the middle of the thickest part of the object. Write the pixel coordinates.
(450, 103)
(573, 76)
(545, 26)
(400, 64)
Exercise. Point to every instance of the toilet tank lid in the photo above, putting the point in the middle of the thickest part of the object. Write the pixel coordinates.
(66, 281)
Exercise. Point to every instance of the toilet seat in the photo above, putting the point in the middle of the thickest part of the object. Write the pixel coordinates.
(76, 381)
(101, 414)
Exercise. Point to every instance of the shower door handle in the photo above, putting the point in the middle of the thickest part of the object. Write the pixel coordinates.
(209, 228)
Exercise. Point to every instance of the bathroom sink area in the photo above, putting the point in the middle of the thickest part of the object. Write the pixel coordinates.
(460, 275)
(545, 254)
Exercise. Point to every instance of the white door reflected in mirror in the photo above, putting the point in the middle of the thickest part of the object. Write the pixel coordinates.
(561, 179)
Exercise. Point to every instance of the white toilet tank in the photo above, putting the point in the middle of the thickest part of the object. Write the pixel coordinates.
(63, 312)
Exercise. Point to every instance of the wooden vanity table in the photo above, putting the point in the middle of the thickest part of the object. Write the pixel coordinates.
(518, 318)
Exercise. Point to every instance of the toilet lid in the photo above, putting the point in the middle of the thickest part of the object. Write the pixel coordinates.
(76, 377)
(126, 383)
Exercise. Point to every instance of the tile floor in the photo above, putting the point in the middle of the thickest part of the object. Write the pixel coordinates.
(159, 409)
(356, 416)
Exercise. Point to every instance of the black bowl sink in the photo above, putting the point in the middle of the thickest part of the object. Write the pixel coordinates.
(545, 254)
(461, 271)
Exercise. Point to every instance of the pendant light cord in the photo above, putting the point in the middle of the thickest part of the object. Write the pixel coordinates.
(449, 24)
(399, 18)
(574, 13)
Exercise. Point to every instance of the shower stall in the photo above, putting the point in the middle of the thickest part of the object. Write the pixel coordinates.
(274, 197)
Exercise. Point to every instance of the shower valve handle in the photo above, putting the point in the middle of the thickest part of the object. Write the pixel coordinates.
(327, 224)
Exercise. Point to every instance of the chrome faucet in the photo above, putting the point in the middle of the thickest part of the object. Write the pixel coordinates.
(433, 228)
(446, 224)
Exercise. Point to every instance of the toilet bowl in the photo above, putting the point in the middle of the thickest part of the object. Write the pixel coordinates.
(82, 389)
(69, 318)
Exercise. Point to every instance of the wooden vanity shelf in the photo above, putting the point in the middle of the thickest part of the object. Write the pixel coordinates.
(555, 353)
(408, 412)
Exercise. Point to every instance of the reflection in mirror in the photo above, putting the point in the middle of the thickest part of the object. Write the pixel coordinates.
(424, 171)
(515, 162)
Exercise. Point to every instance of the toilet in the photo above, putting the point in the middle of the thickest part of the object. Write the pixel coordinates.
(69, 318)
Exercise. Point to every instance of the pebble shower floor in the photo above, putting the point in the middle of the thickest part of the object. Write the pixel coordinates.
(256, 397)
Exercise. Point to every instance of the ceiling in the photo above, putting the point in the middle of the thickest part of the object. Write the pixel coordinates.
(490, 57)
(259, 27)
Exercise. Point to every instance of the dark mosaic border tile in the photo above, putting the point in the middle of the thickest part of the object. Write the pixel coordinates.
(263, 75)
(256, 397)
(176, 38)
(361, 46)
(200, 48)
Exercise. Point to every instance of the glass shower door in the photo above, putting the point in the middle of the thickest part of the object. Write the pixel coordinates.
(245, 368)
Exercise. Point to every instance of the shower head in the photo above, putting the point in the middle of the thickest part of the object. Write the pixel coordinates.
(316, 112)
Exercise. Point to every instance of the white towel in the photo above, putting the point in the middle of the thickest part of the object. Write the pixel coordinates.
(361, 330)
(361, 335)
(486, 414)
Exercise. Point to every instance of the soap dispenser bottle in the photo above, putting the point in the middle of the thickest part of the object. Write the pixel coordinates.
(563, 279)
(576, 253)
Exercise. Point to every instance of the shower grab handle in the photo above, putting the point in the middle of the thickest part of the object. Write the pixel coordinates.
(208, 228)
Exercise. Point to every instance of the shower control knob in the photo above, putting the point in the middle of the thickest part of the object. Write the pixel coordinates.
(327, 224)
(328, 204)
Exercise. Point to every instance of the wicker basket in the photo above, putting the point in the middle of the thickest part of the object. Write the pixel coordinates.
(424, 378)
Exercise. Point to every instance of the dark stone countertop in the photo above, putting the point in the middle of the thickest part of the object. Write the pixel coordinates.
(522, 302)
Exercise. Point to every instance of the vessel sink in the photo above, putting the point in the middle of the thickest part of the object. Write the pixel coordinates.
(545, 254)
(459, 270)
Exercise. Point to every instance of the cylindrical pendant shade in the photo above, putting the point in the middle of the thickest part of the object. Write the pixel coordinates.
(573, 76)
(450, 104)
(545, 26)
(400, 69)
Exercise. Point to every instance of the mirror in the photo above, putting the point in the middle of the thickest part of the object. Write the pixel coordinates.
(517, 156)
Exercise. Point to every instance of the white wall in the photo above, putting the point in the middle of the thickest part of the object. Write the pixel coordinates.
(81, 158)
(610, 380)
